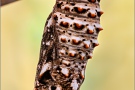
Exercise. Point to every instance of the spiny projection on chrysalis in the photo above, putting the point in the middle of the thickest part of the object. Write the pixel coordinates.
(69, 38)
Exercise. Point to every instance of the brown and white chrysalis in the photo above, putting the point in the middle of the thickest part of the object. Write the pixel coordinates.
(69, 38)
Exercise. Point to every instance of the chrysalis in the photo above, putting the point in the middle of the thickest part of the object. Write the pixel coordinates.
(69, 38)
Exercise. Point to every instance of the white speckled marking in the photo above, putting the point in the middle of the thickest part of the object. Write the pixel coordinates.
(91, 27)
(44, 52)
(82, 73)
(97, 25)
(95, 41)
(59, 87)
(65, 71)
(74, 84)
(62, 51)
(87, 42)
(72, 52)
(66, 62)
(63, 37)
(76, 38)
(43, 43)
(45, 67)
(48, 43)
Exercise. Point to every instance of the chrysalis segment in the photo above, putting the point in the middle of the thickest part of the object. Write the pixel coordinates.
(69, 38)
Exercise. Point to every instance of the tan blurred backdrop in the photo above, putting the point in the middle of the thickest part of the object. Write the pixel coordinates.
(112, 66)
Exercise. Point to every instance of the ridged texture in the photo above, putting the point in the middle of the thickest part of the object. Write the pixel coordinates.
(69, 38)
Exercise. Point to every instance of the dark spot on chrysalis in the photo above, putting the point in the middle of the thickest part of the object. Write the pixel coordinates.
(78, 49)
(70, 74)
(83, 40)
(92, 1)
(59, 5)
(78, 26)
(64, 24)
(82, 66)
(91, 41)
(82, 35)
(94, 45)
(88, 9)
(45, 77)
(80, 76)
(55, 17)
(66, 15)
(89, 57)
(69, 33)
(58, 68)
(66, 53)
(68, 65)
(78, 80)
(98, 0)
(87, 24)
(53, 88)
(79, 10)
(70, 80)
(97, 30)
(98, 13)
(49, 55)
(72, 18)
(76, 66)
(93, 37)
(72, 4)
(67, 9)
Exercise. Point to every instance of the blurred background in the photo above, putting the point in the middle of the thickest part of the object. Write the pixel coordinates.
(22, 25)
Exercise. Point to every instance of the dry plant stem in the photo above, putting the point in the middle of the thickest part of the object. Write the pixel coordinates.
(5, 2)
(69, 38)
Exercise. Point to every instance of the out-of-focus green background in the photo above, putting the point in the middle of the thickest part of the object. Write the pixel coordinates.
(112, 66)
